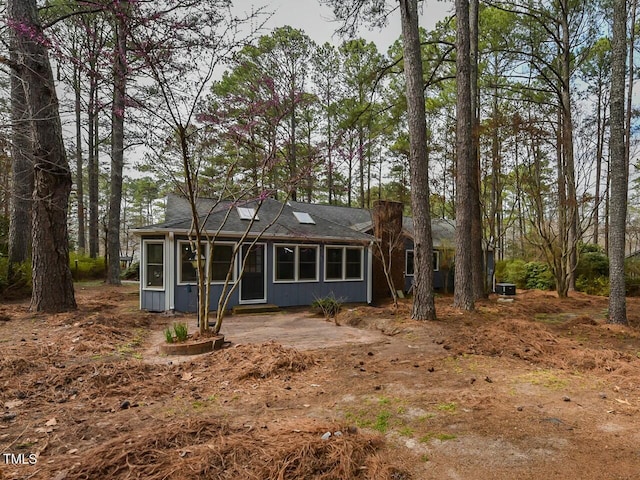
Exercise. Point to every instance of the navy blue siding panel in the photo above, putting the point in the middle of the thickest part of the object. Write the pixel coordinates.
(291, 294)
(438, 281)
(152, 300)
(187, 298)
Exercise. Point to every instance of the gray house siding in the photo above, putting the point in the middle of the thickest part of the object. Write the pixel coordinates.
(152, 300)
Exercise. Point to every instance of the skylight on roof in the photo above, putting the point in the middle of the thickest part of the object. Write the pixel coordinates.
(304, 217)
(246, 213)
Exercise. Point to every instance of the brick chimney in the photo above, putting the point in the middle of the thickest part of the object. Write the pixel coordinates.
(387, 228)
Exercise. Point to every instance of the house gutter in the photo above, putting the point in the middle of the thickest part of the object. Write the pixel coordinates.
(266, 236)
(370, 273)
(171, 277)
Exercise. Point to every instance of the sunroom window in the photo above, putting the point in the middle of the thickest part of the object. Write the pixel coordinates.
(296, 263)
(343, 263)
(154, 268)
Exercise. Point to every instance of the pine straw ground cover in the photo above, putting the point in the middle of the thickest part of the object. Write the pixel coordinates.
(90, 408)
(538, 388)
(209, 449)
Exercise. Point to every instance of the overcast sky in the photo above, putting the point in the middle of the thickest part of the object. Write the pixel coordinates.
(317, 20)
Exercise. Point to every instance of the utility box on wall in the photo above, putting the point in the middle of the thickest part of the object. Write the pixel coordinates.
(508, 289)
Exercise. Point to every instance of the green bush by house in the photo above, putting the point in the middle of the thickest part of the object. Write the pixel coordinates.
(84, 267)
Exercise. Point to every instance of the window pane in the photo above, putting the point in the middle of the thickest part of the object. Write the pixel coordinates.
(285, 263)
(221, 259)
(155, 253)
(409, 268)
(436, 260)
(334, 263)
(155, 275)
(354, 263)
(307, 263)
(188, 263)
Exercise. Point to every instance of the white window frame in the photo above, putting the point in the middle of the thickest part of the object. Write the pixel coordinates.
(296, 262)
(304, 218)
(406, 262)
(247, 213)
(436, 268)
(344, 263)
(234, 254)
(145, 264)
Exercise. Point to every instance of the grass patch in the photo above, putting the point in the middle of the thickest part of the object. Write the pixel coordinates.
(380, 414)
(381, 423)
(443, 437)
(129, 348)
(546, 378)
(447, 407)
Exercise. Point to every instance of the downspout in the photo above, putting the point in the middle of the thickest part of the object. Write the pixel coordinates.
(143, 262)
(369, 273)
(170, 301)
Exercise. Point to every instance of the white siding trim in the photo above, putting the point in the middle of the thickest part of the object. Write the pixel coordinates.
(170, 294)
(369, 274)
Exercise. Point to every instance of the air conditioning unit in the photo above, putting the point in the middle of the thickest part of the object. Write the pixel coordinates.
(507, 289)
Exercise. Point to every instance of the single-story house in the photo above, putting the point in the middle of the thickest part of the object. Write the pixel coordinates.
(303, 252)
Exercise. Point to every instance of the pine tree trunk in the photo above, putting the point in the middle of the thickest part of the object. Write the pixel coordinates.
(79, 163)
(423, 295)
(51, 275)
(117, 148)
(93, 166)
(463, 295)
(568, 152)
(21, 172)
(477, 257)
(619, 180)
(599, 150)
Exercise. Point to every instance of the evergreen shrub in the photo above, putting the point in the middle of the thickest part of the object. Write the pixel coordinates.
(539, 276)
(592, 271)
(530, 275)
(19, 286)
(84, 267)
(132, 272)
(512, 271)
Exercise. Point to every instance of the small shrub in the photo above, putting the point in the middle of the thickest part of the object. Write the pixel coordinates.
(512, 271)
(593, 285)
(181, 331)
(539, 276)
(19, 285)
(132, 272)
(593, 264)
(168, 335)
(329, 306)
(592, 271)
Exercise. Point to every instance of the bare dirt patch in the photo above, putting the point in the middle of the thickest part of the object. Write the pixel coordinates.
(537, 388)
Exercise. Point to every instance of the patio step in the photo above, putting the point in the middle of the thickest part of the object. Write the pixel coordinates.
(259, 308)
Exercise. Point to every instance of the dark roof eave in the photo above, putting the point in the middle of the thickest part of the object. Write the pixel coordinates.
(270, 236)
